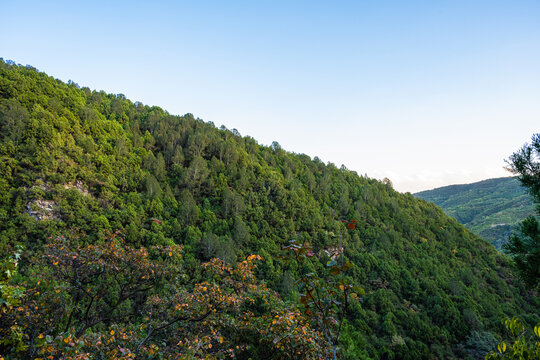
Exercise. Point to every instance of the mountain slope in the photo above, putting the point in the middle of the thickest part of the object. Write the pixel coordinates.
(489, 208)
(72, 157)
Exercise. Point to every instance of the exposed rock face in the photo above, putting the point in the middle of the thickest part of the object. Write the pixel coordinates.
(79, 186)
(42, 209)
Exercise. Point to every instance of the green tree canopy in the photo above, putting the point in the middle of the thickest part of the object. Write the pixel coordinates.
(524, 246)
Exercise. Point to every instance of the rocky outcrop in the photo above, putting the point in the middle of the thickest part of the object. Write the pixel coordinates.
(42, 209)
(77, 185)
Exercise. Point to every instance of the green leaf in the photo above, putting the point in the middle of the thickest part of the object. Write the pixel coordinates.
(358, 289)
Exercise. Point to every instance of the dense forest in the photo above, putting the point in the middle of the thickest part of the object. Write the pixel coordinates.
(134, 233)
(492, 208)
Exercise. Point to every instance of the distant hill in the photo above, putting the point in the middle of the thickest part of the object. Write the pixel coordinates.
(489, 208)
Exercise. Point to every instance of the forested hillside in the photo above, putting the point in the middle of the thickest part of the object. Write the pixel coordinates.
(76, 165)
(490, 208)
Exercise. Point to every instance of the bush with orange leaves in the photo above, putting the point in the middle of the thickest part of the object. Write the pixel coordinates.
(113, 301)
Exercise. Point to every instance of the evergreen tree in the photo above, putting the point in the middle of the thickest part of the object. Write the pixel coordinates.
(524, 246)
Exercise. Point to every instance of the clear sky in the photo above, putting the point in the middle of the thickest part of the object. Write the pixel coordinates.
(426, 93)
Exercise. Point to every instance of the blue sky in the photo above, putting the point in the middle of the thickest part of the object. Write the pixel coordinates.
(426, 93)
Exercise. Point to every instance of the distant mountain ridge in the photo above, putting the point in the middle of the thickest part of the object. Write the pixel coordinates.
(489, 208)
